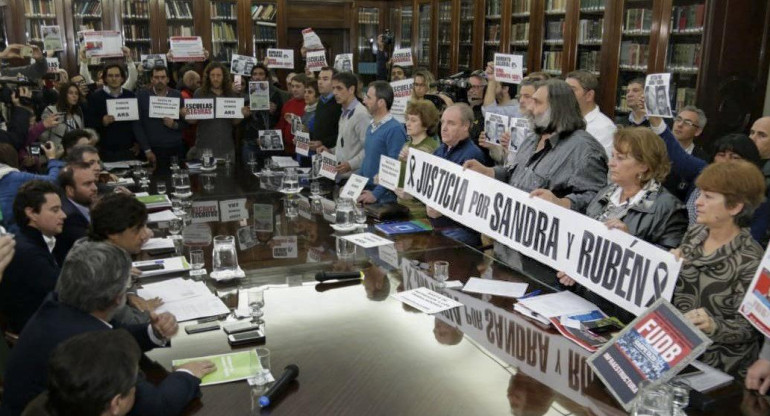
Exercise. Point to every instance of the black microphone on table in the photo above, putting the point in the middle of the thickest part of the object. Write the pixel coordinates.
(325, 276)
(289, 374)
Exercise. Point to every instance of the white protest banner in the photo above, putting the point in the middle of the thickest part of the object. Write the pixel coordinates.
(656, 96)
(756, 304)
(233, 210)
(242, 64)
(311, 41)
(653, 348)
(205, 211)
(494, 127)
(161, 107)
(263, 217)
(402, 57)
(259, 95)
(103, 44)
(353, 187)
(285, 247)
(328, 166)
(151, 61)
(53, 64)
(280, 58)
(390, 172)
(343, 62)
(316, 60)
(186, 49)
(509, 68)
(402, 92)
(302, 143)
(123, 109)
(228, 107)
(51, 38)
(199, 108)
(615, 265)
(519, 131)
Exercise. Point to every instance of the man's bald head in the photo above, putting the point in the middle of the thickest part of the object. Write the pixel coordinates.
(192, 80)
(760, 134)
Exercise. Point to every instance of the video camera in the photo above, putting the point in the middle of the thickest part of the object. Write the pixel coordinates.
(455, 86)
(387, 37)
(10, 86)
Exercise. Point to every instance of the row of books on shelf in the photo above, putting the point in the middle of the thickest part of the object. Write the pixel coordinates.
(684, 56)
(35, 34)
(39, 8)
(589, 61)
(493, 33)
(554, 29)
(590, 30)
(552, 60)
(136, 32)
(264, 12)
(138, 51)
(493, 8)
(223, 31)
(369, 16)
(592, 5)
(444, 33)
(133, 8)
(265, 34)
(521, 6)
(519, 32)
(224, 10)
(88, 8)
(638, 20)
(180, 30)
(555, 5)
(177, 9)
(445, 12)
(466, 11)
(466, 33)
(633, 54)
(687, 18)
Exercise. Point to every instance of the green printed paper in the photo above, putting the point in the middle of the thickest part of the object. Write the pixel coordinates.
(152, 199)
(230, 367)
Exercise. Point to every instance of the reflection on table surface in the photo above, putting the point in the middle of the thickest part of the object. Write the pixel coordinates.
(361, 352)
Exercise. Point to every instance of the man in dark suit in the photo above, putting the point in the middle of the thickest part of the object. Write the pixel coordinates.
(78, 184)
(92, 287)
(33, 271)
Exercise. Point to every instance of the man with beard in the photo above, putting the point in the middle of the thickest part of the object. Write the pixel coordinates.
(78, 183)
(560, 162)
(160, 138)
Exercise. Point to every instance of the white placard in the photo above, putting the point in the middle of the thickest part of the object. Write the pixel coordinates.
(205, 211)
(509, 68)
(656, 95)
(233, 210)
(51, 38)
(161, 107)
(311, 41)
(103, 44)
(366, 240)
(343, 62)
(390, 172)
(328, 165)
(270, 140)
(186, 48)
(152, 60)
(519, 128)
(494, 127)
(259, 95)
(280, 58)
(495, 287)
(229, 107)
(402, 93)
(302, 143)
(634, 273)
(263, 217)
(53, 64)
(402, 57)
(353, 187)
(123, 109)
(426, 300)
(285, 247)
(199, 108)
(242, 64)
(316, 60)
(388, 254)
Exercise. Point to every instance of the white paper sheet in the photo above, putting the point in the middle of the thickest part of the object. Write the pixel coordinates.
(185, 299)
(426, 300)
(170, 265)
(557, 304)
(161, 216)
(157, 243)
(495, 287)
(367, 240)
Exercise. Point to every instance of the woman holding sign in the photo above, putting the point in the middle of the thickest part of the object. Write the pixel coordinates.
(421, 121)
(719, 261)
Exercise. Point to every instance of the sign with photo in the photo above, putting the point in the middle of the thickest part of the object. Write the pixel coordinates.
(311, 41)
(242, 64)
(519, 128)
(51, 38)
(259, 95)
(186, 48)
(263, 217)
(270, 140)
(103, 44)
(656, 96)
(343, 62)
(494, 127)
(151, 61)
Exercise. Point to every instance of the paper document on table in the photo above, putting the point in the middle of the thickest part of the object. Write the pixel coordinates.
(184, 299)
(234, 366)
(169, 265)
(174, 289)
(367, 240)
(495, 287)
(116, 165)
(557, 304)
(709, 379)
(426, 300)
(158, 243)
(285, 162)
(161, 216)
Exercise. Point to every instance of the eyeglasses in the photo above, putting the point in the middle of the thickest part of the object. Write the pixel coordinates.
(686, 122)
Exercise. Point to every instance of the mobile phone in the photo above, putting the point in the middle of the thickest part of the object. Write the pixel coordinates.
(161, 251)
(239, 327)
(150, 267)
(242, 338)
(198, 328)
(34, 149)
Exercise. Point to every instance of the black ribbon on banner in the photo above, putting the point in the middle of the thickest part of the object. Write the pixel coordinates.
(659, 281)
(412, 166)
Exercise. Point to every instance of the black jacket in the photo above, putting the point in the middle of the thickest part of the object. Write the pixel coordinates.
(75, 227)
(327, 122)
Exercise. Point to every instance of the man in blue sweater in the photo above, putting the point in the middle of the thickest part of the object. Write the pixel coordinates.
(384, 136)
(116, 137)
(159, 138)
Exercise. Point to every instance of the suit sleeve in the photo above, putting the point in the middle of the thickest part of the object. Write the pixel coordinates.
(170, 397)
(683, 163)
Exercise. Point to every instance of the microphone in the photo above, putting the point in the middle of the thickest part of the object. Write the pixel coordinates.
(324, 276)
(323, 287)
(289, 374)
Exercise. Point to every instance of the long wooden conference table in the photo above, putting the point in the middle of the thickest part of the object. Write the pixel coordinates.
(361, 352)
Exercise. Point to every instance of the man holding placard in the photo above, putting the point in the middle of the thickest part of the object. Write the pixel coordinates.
(115, 128)
(159, 130)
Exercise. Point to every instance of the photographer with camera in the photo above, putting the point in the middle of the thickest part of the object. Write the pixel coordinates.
(384, 43)
(32, 72)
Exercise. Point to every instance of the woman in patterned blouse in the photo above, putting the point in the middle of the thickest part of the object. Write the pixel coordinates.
(719, 261)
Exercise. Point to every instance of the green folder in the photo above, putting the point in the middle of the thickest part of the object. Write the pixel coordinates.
(234, 366)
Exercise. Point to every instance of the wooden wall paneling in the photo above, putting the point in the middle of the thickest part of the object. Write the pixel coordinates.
(415, 28)
(14, 26)
(69, 59)
(202, 22)
(609, 57)
(505, 25)
(159, 26)
(571, 22)
(245, 28)
(536, 35)
(454, 40)
(280, 21)
(659, 9)
(322, 15)
(478, 37)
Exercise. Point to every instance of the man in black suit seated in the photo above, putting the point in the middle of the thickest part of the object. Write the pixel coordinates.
(78, 182)
(106, 386)
(33, 271)
(91, 288)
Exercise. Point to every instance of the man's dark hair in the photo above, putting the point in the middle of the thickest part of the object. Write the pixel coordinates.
(73, 136)
(67, 175)
(741, 145)
(158, 68)
(113, 65)
(348, 79)
(637, 80)
(114, 214)
(587, 80)
(31, 195)
(330, 68)
(383, 90)
(565, 111)
(260, 65)
(301, 78)
(76, 153)
(86, 371)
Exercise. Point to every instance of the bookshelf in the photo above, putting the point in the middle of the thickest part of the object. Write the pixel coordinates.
(554, 29)
(224, 29)
(87, 15)
(179, 17)
(135, 17)
(404, 39)
(492, 32)
(444, 63)
(264, 27)
(424, 38)
(467, 36)
(683, 55)
(590, 35)
(368, 21)
(520, 29)
(635, 46)
(38, 13)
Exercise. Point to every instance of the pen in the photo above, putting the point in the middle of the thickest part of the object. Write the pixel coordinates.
(531, 294)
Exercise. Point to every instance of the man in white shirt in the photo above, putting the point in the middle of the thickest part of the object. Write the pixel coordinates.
(584, 84)
(688, 126)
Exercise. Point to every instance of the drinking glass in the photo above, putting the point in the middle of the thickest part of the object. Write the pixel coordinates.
(230, 299)
(653, 401)
(345, 249)
(344, 212)
(290, 180)
(263, 369)
(290, 206)
(181, 181)
(208, 181)
(680, 394)
(252, 160)
(256, 298)
(176, 206)
(360, 215)
(315, 188)
(175, 226)
(207, 158)
(197, 262)
(174, 163)
(160, 188)
(225, 258)
(441, 272)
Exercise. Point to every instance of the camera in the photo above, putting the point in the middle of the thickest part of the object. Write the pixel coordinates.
(455, 87)
(387, 37)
